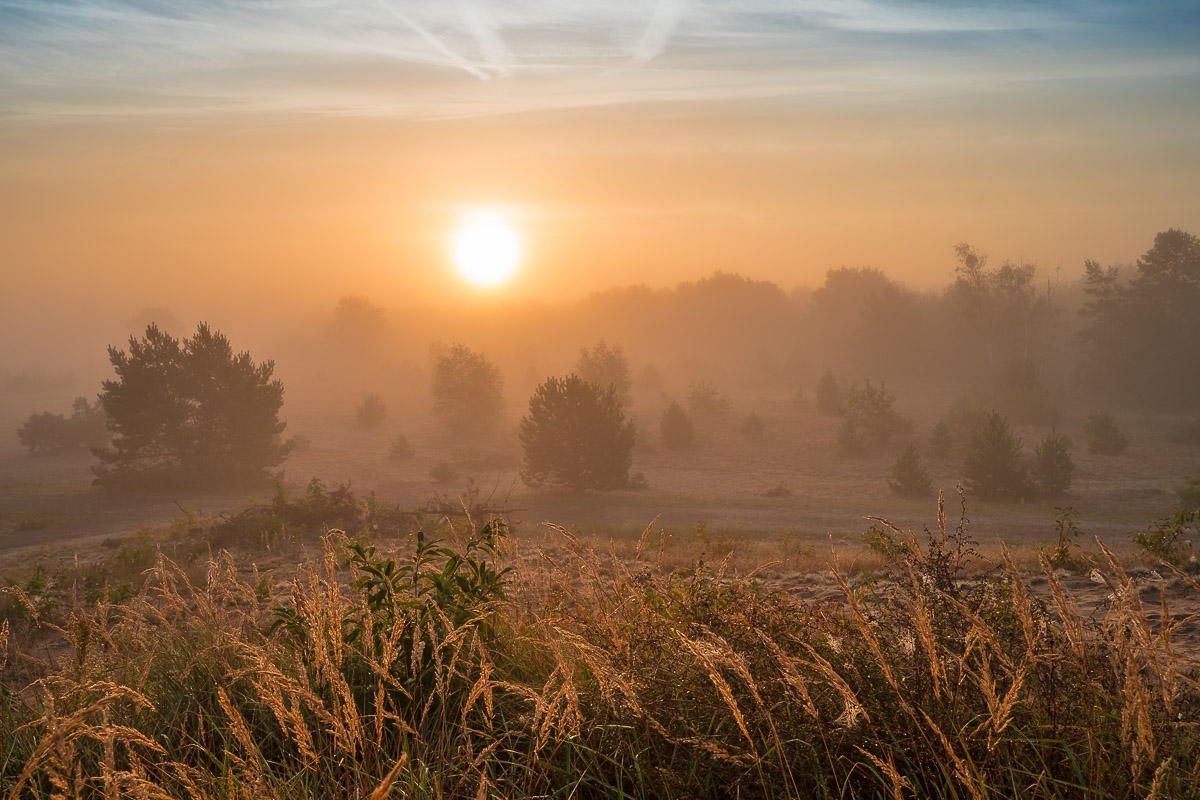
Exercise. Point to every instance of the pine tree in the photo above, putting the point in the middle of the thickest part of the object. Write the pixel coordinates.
(189, 412)
(909, 476)
(676, 428)
(1052, 464)
(994, 467)
(576, 435)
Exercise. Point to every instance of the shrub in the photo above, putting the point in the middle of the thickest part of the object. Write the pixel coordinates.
(994, 467)
(1052, 464)
(400, 449)
(676, 428)
(1170, 538)
(53, 433)
(869, 418)
(576, 435)
(370, 412)
(909, 476)
(705, 398)
(940, 438)
(1020, 392)
(443, 472)
(467, 392)
(829, 394)
(189, 412)
(1189, 493)
(752, 427)
(1102, 435)
(1186, 432)
(606, 366)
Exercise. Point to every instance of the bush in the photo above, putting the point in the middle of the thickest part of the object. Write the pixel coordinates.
(1052, 464)
(467, 392)
(443, 472)
(909, 476)
(676, 428)
(371, 412)
(706, 398)
(400, 449)
(1020, 392)
(1102, 435)
(829, 394)
(994, 467)
(606, 366)
(1170, 538)
(189, 413)
(870, 419)
(1186, 432)
(1189, 493)
(941, 439)
(53, 433)
(576, 435)
(752, 427)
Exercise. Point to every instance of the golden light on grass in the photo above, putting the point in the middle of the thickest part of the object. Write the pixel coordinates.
(486, 248)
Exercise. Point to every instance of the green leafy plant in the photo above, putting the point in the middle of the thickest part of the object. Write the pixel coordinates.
(1169, 538)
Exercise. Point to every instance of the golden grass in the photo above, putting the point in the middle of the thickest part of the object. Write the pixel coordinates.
(632, 671)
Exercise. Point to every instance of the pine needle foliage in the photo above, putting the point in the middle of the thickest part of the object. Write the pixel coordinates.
(576, 436)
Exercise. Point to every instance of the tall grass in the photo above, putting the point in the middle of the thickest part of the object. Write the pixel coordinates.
(580, 674)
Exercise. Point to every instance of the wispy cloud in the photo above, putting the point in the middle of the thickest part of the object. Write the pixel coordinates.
(421, 58)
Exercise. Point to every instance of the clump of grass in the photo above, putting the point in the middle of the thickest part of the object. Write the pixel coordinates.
(431, 671)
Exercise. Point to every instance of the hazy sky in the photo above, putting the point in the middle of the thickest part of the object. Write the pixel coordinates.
(185, 151)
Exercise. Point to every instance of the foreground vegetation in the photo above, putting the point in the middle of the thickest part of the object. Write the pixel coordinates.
(461, 667)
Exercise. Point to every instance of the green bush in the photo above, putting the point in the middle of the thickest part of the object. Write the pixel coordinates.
(829, 394)
(676, 428)
(752, 427)
(1170, 538)
(869, 418)
(1052, 464)
(400, 449)
(909, 476)
(940, 438)
(994, 467)
(1102, 435)
(370, 412)
(705, 398)
(54, 433)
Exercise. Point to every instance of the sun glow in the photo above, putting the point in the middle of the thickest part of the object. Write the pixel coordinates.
(487, 248)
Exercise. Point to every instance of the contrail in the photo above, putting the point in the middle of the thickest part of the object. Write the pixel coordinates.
(438, 44)
(659, 30)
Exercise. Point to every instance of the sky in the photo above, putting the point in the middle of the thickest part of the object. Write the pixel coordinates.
(184, 153)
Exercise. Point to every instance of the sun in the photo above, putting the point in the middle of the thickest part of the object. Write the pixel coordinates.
(486, 248)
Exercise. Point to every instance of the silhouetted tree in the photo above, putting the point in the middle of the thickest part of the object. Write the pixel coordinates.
(189, 412)
(994, 467)
(606, 366)
(1142, 341)
(576, 435)
(705, 398)
(829, 394)
(54, 433)
(467, 392)
(370, 412)
(676, 428)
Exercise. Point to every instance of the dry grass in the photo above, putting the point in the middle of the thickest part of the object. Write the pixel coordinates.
(636, 669)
